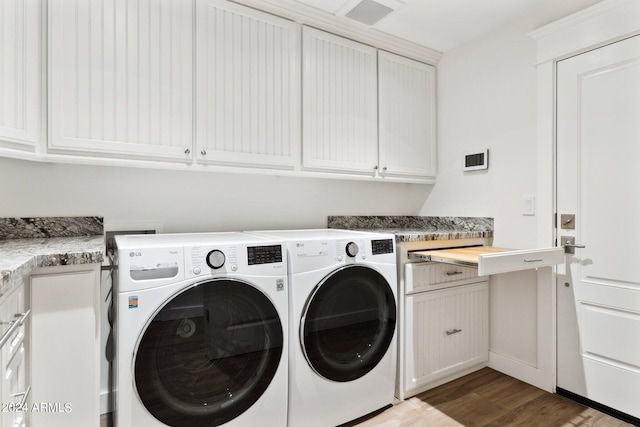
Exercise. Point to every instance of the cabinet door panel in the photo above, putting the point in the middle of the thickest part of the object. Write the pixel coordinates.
(20, 73)
(14, 388)
(248, 86)
(65, 347)
(447, 332)
(121, 77)
(339, 103)
(407, 116)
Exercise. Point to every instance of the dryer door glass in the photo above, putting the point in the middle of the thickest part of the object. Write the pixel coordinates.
(348, 323)
(208, 354)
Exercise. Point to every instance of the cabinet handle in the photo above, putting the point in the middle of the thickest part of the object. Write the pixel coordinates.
(15, 324)
(532, 259)
(187, 151)
(203, 152)
(25, 396)
(453, 331)
(453, 273)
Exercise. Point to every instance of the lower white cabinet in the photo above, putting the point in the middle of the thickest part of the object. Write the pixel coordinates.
(447, 333)
(65, 347)
(14, 390)
(13, 386)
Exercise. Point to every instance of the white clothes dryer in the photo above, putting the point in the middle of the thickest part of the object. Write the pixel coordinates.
(342, 360)
(200, 330)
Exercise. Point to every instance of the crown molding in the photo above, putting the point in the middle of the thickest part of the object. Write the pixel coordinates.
(602, 23)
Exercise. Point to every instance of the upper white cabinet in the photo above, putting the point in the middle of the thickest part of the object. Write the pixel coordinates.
(210, 82)
(407, 116)
(247, 86)
(120, 77)
(20, 75)
(340, 130)
(365, 110)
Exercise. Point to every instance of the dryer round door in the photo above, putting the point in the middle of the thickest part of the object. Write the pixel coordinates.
(208, 354)
(348, 323)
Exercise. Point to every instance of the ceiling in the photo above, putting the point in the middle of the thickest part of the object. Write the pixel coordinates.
(438, 24)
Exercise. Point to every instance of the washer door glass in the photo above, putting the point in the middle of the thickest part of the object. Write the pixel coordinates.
(208, 354)
(348, 323)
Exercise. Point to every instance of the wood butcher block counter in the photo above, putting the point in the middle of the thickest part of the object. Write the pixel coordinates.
(452, 240)
(463, 256)
(492, 260)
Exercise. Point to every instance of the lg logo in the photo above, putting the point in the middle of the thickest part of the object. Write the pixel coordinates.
(132, 254)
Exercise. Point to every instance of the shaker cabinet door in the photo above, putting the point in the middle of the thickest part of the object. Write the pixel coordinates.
(340, 127)
(120, 78)
(407, 116)
(247, 86)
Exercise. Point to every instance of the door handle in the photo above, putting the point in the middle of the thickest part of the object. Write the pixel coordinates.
(569, 244)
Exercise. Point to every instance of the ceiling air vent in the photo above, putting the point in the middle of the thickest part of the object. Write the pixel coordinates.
(368, 11)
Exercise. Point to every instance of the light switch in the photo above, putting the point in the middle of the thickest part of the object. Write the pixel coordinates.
(528, 205)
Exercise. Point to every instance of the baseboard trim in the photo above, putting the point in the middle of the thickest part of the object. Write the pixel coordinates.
(599, 406)
(522, 371)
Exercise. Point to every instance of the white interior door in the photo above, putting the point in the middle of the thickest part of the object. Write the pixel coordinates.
(598, 175)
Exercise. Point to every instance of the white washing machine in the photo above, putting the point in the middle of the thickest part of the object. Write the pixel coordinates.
(200, 330)
(342, 360)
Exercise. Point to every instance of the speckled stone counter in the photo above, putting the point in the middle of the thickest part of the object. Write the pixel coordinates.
(418, 228)
(30, 243)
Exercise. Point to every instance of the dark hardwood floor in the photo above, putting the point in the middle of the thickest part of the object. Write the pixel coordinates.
(485, 398)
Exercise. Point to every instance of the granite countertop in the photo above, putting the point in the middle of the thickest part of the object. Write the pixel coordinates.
(29, 243)
(418, 228)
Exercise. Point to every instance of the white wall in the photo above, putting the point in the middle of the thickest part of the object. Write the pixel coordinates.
(487, 96)
(185, 201)
(487, 99)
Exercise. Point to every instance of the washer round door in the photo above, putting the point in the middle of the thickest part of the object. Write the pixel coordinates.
(348, 323)
(208, 354)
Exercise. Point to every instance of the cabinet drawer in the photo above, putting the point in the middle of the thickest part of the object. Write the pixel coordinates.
(490, 260)
(428, 276)
(11, 311)
(14, 390)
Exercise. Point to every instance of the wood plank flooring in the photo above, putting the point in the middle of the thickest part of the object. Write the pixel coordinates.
(488, 398)
(485, 398)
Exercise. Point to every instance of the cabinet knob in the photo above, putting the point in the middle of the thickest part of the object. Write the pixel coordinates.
(375, 168)
(187, 151)
(384, 169)
(203, 152)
